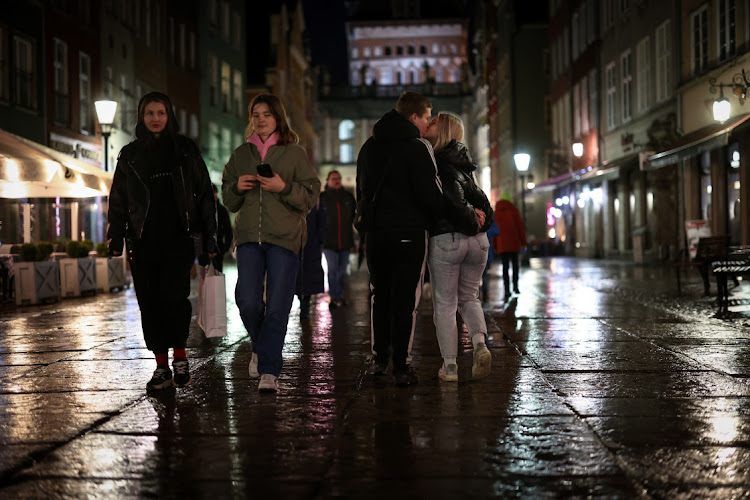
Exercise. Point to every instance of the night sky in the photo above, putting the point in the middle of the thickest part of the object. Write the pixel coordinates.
(325, 20)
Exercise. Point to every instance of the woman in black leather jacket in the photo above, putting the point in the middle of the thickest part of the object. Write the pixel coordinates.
(162, 203)
(458, 248)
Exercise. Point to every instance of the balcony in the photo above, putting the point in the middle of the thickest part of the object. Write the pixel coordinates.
(394, 91)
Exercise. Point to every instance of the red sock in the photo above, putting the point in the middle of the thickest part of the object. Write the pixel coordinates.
(180, 353)
(162, 359)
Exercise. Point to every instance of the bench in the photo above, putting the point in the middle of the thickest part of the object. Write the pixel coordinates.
(735, 263)
(710, 249)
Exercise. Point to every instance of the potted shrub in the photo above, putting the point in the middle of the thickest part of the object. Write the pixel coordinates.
(78, 270)
(110, 271)
(37, 278)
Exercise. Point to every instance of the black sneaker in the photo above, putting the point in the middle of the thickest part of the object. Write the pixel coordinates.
(181, 372)
(405, 378)
(161, 379)
(377, 368)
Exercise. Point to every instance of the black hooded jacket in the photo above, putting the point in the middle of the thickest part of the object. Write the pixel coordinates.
(130, 197)
(461, 194)
(410, 197)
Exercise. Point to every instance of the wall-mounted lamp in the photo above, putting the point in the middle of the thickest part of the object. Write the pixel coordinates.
(739, 86)
(578, 149)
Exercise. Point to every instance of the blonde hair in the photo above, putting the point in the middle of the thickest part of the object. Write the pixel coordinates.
(275, 106)
(449, 127)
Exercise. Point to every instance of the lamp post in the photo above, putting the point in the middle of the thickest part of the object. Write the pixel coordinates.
(522, 161)
(105, 113)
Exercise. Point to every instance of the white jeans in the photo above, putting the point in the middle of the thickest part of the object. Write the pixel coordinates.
(456, 264)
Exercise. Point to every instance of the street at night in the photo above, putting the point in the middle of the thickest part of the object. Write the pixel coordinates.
(604, 383)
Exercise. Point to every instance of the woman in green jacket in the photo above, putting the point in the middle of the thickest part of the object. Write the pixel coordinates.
(270, 228)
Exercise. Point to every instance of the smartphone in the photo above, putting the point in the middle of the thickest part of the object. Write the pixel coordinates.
(264, 170)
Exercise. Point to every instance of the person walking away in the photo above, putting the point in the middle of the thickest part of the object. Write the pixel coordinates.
(224, 234)
(511, 240)
(269, 229)
(161, 203)
(408, 199)
(492, 232)
(310, 278)
(458, 249)
(339, 240)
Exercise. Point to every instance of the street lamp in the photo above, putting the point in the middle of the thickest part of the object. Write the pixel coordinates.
(105, 113)
(739, 87)
(522, 161)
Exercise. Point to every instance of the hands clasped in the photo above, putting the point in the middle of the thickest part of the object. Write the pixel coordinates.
(248, 182)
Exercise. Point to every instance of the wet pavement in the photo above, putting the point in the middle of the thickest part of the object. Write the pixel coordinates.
(604, 384)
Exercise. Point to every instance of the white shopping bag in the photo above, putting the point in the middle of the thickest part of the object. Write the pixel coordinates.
(212, 302)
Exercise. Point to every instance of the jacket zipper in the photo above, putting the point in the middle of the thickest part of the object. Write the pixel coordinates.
(260, 215)
(338, 221)
(148, 203)
(184, 193)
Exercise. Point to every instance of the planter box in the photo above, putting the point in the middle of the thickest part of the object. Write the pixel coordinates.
(37, 282)
(110, 274)
(77, 277)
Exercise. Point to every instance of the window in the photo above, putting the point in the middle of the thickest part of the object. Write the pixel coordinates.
(346, 153)
(225, 21)
(378, 51)
(84, 85)
(213, 143)
(626, 87)
(183, 45)
(213, 93)
(346, 130)
(108, 83)
(386, 77)
(577, 110)
(171, 40)
(699, 31)
(237, 32)
(412, 50)
(611, 96)
(436, 48)
(663, 61)
(643, 61)
(387, 50)
(355, 52)
(226, 145)
(213, 12)
(238, 93)
(584, 106)
(60, 62)
(593, 100)
(414, 76)
(192, 50)
(225, 85)
(366, 52)
(399, 50)
(423, 49)
(727, 29)
(193, 126)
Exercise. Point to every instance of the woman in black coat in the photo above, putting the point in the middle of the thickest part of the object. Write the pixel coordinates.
(310, 279)
(162, 203)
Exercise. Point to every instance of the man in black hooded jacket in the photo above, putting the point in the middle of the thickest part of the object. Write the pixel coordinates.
(396, 168)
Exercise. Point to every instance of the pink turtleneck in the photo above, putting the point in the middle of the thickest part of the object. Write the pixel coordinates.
(263, 146)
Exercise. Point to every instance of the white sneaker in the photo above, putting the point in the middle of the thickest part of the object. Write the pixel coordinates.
(482, 361)
(448, 373)
(268, 383)
(253, 368)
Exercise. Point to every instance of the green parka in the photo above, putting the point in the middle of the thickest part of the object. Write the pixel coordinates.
(266, 217)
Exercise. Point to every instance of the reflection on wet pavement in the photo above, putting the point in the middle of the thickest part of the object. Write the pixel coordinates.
(604, 383)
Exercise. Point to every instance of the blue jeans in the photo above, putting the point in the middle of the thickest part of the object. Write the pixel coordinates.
(456, 264)
(337, 261)
(266, 322)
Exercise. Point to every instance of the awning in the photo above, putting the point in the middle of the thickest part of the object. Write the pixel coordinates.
(695, 143)
(32, 170)
(607, 168)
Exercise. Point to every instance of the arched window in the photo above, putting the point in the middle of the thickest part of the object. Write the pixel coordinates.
(412, 50)
(346, 153)
(346, 130)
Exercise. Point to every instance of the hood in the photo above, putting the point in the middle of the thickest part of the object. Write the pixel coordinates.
(392, 126)
(457, 154)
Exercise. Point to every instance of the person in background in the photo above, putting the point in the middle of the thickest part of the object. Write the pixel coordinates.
(311, 278)
(511, 240)
(339, 240)
(224, 234)
(492, 232)
(270, 229)
(161, 203)
(396, 247)
(458, 249)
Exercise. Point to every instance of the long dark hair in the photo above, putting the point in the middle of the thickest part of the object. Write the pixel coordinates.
(172, 128)
(286, 134)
